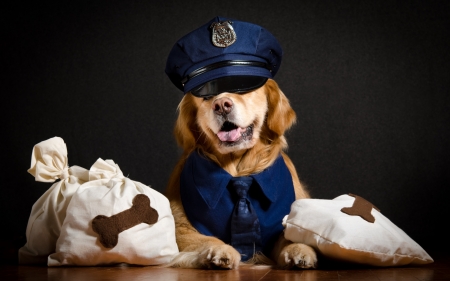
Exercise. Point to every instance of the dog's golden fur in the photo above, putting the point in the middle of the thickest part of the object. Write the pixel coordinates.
(268, 112)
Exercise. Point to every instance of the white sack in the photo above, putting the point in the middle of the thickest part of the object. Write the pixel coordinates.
(108, 193)
(49, 163)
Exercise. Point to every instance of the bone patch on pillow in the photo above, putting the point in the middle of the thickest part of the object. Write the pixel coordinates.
(108, 228)
(361, 207)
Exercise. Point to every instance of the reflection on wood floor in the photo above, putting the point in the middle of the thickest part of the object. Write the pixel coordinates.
(439, 270)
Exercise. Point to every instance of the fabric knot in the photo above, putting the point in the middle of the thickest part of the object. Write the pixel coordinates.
(105, 170)
(48, 160)
(64, 173)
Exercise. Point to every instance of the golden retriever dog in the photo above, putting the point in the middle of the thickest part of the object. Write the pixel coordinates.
(243, 134)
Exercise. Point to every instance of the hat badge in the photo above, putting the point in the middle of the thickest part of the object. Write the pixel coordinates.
(223, 34)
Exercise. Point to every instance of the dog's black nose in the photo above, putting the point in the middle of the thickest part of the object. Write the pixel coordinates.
(222, 106)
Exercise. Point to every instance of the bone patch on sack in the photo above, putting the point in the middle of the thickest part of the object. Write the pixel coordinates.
(361, 207)
(108, 228)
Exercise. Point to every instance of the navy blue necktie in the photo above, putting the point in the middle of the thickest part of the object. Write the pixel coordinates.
(245, 229)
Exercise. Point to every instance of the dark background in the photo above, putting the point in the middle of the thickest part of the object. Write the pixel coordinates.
(369, 81)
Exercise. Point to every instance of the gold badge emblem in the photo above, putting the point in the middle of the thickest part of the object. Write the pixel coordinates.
(223, 34)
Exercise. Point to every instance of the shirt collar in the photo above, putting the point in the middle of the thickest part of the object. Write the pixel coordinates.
(211, 180)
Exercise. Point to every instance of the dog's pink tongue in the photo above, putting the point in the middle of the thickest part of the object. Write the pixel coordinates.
(232, 135)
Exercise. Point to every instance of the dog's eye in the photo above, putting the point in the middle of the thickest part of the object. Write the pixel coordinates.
(207, 97)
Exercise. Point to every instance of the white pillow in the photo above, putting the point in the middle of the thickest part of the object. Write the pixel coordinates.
(111, 195)
(49, 163)
(351, 238)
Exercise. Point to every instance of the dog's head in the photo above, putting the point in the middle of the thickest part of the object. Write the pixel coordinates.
(231, 104)
(230, 122)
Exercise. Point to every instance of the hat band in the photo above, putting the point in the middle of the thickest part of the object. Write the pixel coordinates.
(216, 65)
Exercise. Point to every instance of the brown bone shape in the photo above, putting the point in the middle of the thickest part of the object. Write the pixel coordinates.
(108, 228)
(361, 207)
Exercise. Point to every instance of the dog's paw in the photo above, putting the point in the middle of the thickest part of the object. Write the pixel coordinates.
(220, 256)
(297, 255)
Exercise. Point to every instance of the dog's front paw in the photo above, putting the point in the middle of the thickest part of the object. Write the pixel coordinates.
(220, 256)
(297, 255)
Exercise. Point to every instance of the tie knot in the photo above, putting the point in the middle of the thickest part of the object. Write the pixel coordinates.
(241, 185)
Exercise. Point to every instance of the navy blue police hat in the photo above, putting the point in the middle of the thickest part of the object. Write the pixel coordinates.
(223, 55)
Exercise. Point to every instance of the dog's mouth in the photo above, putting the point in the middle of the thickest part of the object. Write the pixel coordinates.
(231, 134)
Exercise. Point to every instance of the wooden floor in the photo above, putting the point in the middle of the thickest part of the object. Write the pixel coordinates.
(439, 270)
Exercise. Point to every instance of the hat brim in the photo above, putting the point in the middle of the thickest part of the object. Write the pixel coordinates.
(230, 84)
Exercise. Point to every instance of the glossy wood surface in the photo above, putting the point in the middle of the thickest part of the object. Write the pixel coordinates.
(439, 270)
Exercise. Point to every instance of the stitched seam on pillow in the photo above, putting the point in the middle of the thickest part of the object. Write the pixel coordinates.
(361, 250)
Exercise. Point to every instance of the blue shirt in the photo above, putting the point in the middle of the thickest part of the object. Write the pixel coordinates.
(209, 202)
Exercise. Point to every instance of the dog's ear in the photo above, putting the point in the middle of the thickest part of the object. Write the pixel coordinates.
(186, 129)
(280, 115)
